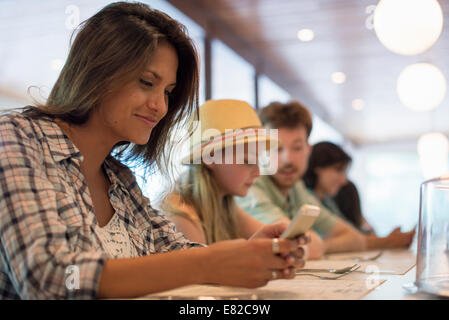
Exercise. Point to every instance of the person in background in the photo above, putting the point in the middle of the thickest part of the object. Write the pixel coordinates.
(349, 203)
(202, 205)
(326, 175)
(278, 197)
(73, 221)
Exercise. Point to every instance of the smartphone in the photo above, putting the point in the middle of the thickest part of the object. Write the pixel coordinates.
(302, 221)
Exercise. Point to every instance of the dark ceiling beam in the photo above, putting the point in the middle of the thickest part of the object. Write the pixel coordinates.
(215, 27)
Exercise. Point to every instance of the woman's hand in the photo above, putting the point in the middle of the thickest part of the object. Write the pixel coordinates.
(251, 263)
(275, 230)
(315, 248)
(270, 231)
(398, 239)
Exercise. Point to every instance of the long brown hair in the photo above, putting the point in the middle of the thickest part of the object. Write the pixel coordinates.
(111, 48)
(197, 187)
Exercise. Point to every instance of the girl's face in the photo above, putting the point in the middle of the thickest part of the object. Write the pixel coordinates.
(331, 179)
(235, 179)
(131, 112)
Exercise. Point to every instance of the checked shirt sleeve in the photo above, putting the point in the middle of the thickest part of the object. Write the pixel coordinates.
(165, 236)
(34, 239)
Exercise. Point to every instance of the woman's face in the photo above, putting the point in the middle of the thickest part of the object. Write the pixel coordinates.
(235, 179)
(331, 179)
(132, 111)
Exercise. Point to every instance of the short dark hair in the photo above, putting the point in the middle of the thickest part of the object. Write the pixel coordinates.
(286, 115)
(324, 154)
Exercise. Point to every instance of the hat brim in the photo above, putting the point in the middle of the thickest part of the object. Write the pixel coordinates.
(195, 156)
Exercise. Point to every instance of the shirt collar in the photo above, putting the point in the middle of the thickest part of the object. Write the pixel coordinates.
(287, 203)
(280, 198)
(61, 147)
(117, 174)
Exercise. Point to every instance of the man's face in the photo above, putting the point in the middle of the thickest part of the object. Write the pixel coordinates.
(293, 156)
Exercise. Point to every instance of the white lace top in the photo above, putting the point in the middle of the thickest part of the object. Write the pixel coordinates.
(115, 239)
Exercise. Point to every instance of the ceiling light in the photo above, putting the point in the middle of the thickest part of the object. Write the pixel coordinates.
(421, 86)
(358, 104)
(338, 77)
(305, 35)
(433, 150)
(408, 27)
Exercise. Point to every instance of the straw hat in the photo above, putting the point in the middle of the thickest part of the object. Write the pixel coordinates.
(224, 123)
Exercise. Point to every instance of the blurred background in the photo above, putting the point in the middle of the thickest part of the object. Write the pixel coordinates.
(372, 88)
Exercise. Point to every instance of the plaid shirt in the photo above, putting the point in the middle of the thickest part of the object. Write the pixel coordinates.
(47, 220)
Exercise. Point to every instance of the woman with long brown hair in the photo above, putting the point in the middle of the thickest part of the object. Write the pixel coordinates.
(73, 222)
